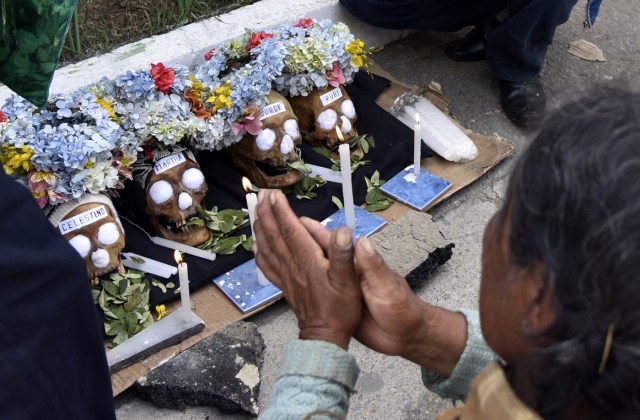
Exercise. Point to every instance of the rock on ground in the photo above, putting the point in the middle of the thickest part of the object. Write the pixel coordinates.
(221, 371)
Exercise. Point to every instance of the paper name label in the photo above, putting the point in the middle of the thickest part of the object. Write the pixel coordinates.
(272, 109)
(168, 162)
(83, 219)
(331, 96)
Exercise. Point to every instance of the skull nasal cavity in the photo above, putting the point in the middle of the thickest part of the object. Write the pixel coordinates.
(192, 178)
(327, 119)
(108, 234)
(81, 244)
(346, 124)
(100, 258)
(265, 139)
(184, 201)
(161, 192)
(287, 144)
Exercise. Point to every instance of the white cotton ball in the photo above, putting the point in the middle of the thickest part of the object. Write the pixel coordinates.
(346, 124)
(291, 128)
(161, 191)
(265, 139)
(287, 144)
(327, 119)
(81, 244)
(108, 234)
(347, 108)
(193, 178)
(184, 201)
(100, 258)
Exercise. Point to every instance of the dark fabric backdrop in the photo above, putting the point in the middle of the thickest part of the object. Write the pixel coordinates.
(392, 153)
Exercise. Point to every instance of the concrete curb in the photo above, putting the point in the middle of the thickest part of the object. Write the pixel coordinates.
(187, 45)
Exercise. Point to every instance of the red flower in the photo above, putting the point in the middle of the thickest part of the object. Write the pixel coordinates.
(147, 152)
(163, 77)
(209, 54)
(304, 23)
(3, 117)
(256, 38)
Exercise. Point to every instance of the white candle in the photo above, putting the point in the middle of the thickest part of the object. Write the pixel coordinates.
(252, 202)
(347, 192)
(148, 266)
(183, 274)
(417, 140)
(207, 255)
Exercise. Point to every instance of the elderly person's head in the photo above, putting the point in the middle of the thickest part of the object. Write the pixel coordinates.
(561, 284)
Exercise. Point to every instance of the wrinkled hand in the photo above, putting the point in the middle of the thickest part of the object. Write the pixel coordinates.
(322, 289)
(396, 322)
(393, 313)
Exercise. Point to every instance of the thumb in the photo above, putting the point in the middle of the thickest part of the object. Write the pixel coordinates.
(376, 277)
(341, 268)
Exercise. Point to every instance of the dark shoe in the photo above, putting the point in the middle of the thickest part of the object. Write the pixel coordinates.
(523, 102)
(470, 48)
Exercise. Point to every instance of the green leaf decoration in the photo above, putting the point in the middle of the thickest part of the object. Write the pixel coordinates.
(222, 225)
(375, 199)
(300, 166)
(336, 201)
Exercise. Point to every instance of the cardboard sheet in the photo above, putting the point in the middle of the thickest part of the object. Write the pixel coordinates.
(214, 308)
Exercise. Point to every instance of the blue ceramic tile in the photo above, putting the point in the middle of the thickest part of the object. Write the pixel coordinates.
(241, 286)
(366, 223)
(417, 192)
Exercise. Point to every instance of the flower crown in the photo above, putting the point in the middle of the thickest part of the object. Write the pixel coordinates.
(229, 88)
(66, 150)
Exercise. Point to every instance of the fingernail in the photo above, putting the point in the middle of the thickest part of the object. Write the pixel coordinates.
(261, 196)
(272, 197)
(343, 237)
(367, 246)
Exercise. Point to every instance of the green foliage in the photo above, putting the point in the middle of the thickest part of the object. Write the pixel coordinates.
(365, 141)
(124, 300)
(305, 189)
(375, 199)
(222, 224)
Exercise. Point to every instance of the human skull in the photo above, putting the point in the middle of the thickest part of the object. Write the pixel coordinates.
(175, 188)
(92, 227)
(264, 157)
(321, 111)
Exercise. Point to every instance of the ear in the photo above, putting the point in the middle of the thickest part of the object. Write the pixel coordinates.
(539, 299)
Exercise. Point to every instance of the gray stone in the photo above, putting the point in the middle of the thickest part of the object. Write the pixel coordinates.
(222, 371)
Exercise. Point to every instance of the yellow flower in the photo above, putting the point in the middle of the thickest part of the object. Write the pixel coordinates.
(107, 106)
(89, 164)
(48, 177)
(355, 47)
(220, 97)
(16, 159)
(161, 310)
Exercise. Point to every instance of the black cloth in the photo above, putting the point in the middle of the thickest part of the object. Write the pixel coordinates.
(52, 358)
(515, 50)
(392, 153)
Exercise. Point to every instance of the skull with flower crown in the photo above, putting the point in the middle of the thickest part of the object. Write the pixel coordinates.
(321, 111)
(92, 227)
(265, 156)
(175, 188)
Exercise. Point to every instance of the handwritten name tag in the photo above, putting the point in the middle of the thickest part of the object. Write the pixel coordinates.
(272, 109)
(331, 96)
(83, 219)
(168, 162)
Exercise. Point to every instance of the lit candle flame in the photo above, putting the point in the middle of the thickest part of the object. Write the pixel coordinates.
(177, 256)
(246, 184)
(339, 133)
(417, 118)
